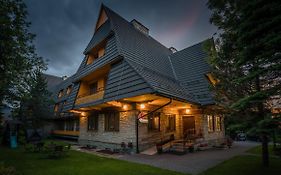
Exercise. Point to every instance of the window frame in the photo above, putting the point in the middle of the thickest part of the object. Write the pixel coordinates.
(211, 120)
(218, 123)
(68, 89)
(56, 107)
(170, 128)
(94, 118)
(61, 93)
(108, 118)
(153, 127)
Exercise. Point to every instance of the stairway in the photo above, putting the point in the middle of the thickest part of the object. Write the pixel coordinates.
(180, 147)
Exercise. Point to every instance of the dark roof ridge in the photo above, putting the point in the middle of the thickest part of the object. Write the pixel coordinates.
(193, 45)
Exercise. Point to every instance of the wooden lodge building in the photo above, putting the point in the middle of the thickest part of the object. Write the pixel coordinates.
(130, 88)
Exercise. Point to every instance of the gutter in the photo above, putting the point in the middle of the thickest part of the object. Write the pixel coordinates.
(137, 123)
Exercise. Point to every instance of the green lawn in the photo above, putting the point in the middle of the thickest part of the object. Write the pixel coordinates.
(245, 165)
(76, 163)
(257, 150)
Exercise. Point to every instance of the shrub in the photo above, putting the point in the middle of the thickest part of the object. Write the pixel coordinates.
(7, 170)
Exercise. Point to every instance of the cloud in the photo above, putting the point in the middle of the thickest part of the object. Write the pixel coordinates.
(65, 27)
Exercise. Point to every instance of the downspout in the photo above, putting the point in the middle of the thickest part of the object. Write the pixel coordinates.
(137, 123)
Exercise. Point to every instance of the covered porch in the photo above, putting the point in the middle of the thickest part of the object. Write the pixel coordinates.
(146, 120)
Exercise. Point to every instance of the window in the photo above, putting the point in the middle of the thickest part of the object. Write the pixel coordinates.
(211, 126)
(95, 55)
(93, 88)
(93, 120)
(102, 19)
(60, 93)
(101, 52)
(69, 126)
(212, 79)
(154, 122)
(111, 121)
(90, 59)
(218, 123)
(69, 89)
(56, 108)
(171, 123)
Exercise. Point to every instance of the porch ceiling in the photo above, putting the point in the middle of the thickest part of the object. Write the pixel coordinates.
(149, 99)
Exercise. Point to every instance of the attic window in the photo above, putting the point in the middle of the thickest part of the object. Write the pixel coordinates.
(60, 93)
(102, 19)
(212, 79)
(97, 53)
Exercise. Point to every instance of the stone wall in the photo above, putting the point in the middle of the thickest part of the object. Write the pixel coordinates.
(215, 137)
(105, 139)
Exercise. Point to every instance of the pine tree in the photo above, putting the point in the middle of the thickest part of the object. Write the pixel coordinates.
(248, 59)
(35, 104)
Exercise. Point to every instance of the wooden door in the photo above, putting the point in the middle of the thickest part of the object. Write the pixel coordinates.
(188, 126)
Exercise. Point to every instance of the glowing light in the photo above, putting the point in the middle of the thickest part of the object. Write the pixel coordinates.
(83, 114)
(125, 107)
(187, 111)
(142, 106)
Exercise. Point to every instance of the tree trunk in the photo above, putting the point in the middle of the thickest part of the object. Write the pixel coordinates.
(265, 157)
(274, 139)
(264, 137)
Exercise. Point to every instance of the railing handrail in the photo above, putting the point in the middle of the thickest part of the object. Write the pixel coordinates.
(91, 93)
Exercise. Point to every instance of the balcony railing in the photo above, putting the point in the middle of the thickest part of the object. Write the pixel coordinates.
(90, 96)
(66, 133)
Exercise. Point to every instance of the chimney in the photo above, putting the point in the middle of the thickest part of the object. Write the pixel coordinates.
(64, 77)
(172, 49)
(140, 27)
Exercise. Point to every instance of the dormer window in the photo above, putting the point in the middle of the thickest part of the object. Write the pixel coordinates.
(60, 93)
(95, 54)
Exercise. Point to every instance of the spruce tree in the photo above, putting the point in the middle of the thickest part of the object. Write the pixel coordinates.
(248, 59)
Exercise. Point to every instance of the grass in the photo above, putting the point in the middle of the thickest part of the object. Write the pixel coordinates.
(257, 150)
(245, 165)
(76, 163)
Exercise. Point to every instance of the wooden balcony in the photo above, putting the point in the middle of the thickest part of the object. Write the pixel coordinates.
(66, 133)
(90, 96)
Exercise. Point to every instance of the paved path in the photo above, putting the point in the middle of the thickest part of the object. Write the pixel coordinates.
(192, 163)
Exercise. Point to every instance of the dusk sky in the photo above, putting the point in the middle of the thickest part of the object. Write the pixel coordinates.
(64, 27)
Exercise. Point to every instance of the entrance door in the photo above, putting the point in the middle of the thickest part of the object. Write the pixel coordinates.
(188, 126)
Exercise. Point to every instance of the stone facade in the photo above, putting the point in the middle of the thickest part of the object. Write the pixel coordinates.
(127, 131)
(105, 139)
(215, 137)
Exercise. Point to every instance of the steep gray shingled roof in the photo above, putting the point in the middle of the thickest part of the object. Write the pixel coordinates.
(190, 66)
(52, 80)
(99, 35)
(148, 57)
(138, 47)
(149, 67)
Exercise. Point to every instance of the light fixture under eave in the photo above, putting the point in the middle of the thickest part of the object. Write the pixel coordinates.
(125, 107)
(187, 111)
(142, 106)
(83, 114)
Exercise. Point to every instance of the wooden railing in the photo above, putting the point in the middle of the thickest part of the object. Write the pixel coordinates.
(90, 96)
(68, 133)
